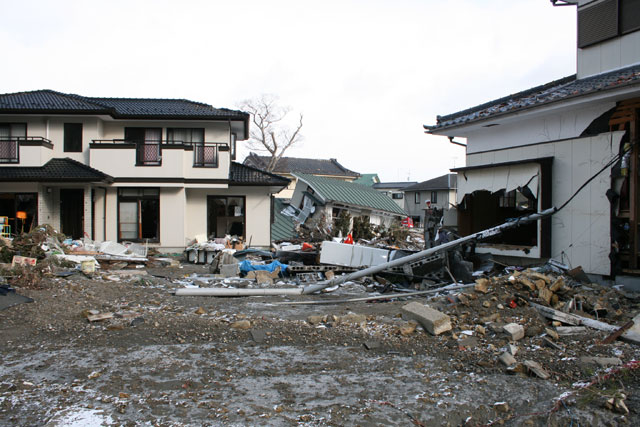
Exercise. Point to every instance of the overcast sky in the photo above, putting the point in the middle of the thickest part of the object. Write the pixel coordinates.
(366, 74)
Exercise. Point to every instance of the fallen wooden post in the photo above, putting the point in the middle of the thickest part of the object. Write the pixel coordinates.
(576, 320)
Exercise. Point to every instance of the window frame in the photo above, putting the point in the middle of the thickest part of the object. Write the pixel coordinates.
(70, 144)
(13, 140)
(434, 197)
(171, 138)
(416, 198)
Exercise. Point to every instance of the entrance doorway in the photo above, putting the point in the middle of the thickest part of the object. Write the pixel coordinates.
(72, 212)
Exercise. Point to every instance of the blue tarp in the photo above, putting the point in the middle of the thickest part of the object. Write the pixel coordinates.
(246, 266)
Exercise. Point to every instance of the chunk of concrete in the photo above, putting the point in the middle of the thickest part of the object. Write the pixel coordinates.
(431, 320)
(536, 369)
(507, 359)
(230, 270)
(514, 331)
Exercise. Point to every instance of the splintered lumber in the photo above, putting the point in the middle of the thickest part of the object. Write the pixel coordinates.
(576, 320)
(427, 252)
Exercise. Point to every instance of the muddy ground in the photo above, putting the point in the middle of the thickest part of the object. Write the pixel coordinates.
(169, 360)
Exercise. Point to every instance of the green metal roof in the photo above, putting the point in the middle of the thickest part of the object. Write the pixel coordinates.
(367, 179)
(337, 190)
(283, 227)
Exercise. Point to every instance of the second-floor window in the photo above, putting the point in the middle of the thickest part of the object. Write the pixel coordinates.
(397, 196)
(72, 137)
(434, 197)
(10, 134)
(185, 135)
(148, 144)
(417, 198)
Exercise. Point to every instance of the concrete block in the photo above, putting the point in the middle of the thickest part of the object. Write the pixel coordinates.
(431, 320)
(507, 359)
(230, 270)
(514, 331)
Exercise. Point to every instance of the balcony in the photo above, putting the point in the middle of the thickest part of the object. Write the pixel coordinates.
(123, 157)
(11, 148)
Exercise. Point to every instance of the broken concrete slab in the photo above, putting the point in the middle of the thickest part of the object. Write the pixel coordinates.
(431, 320)
(507, 359)
(230, 270)
(536, 369)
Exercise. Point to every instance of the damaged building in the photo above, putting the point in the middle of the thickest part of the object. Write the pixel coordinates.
(316, 196)
(156, 171)
(535, 149)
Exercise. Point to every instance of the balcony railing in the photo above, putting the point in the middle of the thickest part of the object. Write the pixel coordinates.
(149, 153)
(205, 155)
(10, 146)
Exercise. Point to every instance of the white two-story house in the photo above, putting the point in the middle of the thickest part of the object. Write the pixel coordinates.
(573, 139)
(158, 171)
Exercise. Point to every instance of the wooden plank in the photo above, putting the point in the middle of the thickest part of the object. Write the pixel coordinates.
(98, 317)
(573, 319)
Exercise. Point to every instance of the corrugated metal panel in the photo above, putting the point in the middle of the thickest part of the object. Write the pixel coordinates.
(597, 23)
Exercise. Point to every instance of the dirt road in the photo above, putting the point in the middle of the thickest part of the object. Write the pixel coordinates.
(167, 360)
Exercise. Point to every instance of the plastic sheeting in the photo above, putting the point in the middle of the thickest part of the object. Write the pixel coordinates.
(246, 266)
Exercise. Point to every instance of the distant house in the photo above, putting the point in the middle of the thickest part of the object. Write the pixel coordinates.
(440, 192)
(535, 149)
(368, 179)
(316, 196)
(156, 171)
(395, 190)
(289, 166)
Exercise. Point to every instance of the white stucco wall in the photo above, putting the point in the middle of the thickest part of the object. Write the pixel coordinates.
(581, 231)
(257, 212)
(173, 209)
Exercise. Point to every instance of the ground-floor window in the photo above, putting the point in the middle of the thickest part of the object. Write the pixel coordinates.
(139, 214)
(226, 216)
(18, 211)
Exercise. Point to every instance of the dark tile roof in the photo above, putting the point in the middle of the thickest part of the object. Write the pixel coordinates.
(49, 101)
(555, 91)
(295, 164)
(444, 182)
(283, 227)
(393, 185)
(55, 170)
(240, 174)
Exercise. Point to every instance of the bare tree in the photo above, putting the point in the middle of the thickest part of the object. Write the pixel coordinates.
(269, 132)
